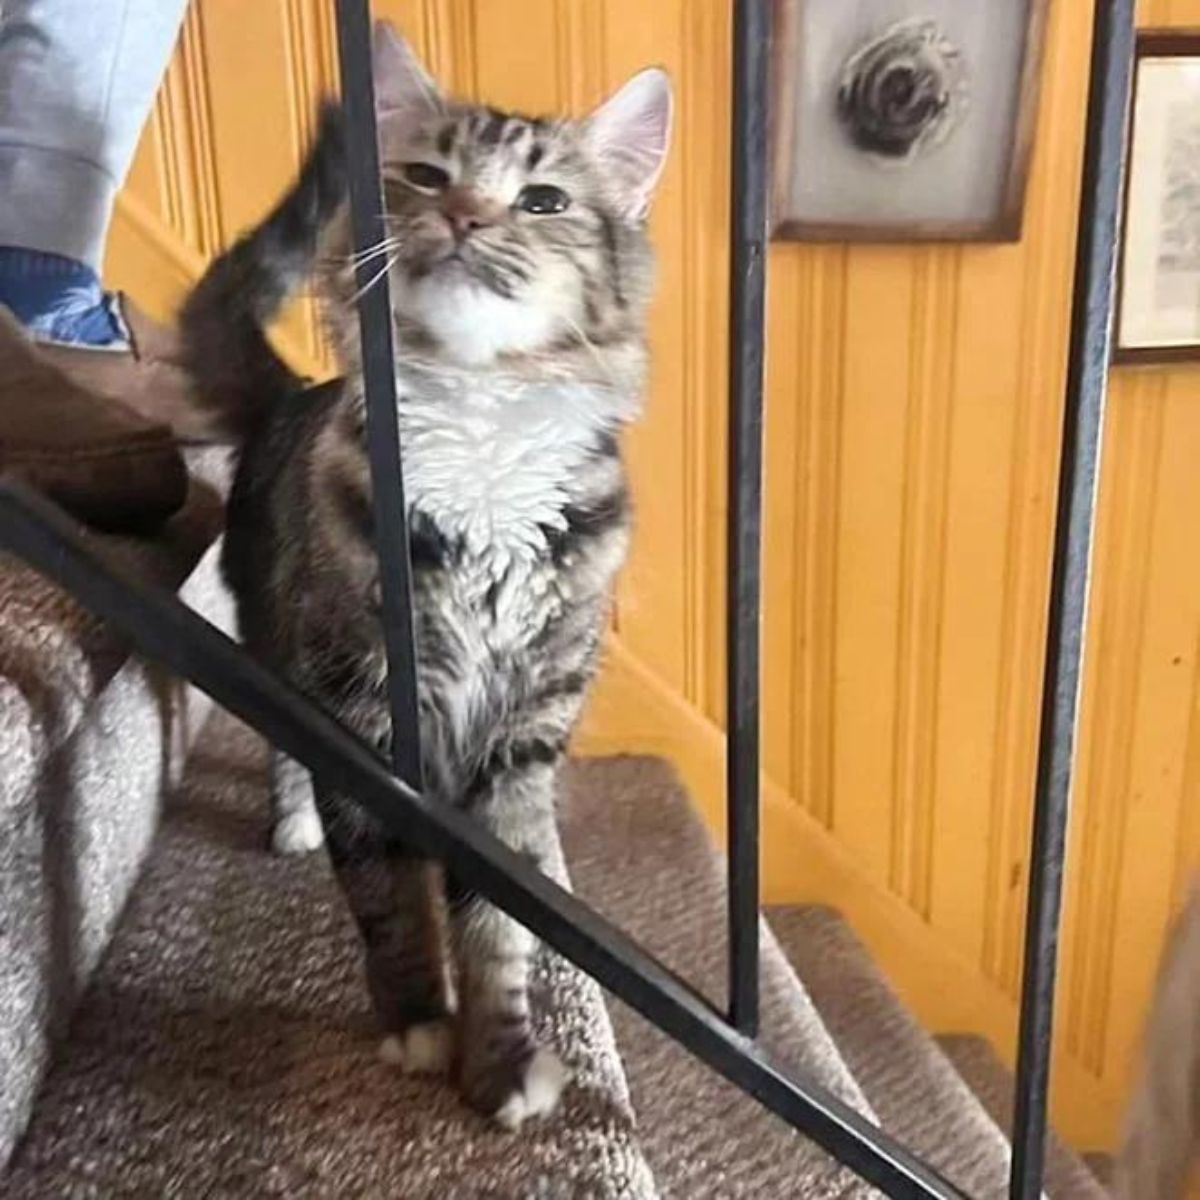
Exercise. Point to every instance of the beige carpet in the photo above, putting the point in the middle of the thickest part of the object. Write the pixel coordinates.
(1068, 1176)
(224, 1048)
(639, 853)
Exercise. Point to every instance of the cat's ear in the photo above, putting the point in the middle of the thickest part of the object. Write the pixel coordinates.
(404, 90)
(629, 134)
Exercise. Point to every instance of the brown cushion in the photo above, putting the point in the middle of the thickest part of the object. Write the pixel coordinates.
(101, 461)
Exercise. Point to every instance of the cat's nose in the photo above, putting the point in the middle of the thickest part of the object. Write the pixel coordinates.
(462, 225)
(464, 212)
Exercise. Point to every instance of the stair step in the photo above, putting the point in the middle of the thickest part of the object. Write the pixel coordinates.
(225, 1047)
(1067, 1176)
(90, 738)
(910, 1083)
(639, 854)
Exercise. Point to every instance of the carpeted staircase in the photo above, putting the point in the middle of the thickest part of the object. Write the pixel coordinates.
(223, 1046)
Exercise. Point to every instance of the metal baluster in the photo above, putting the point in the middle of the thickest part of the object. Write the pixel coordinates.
(379, 382)
(1087, 383)
(751, 57)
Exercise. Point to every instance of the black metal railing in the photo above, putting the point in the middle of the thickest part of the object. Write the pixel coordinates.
(164, 629)
(747, 295)
(1102, 190)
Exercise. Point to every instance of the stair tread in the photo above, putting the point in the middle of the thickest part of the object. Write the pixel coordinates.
(56, 657)
(914, 1088)
(638, 853)
(90, 737)
(1067, 1176)
(225, 1046)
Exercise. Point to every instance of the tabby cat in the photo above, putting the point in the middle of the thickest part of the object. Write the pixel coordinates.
(520, 275)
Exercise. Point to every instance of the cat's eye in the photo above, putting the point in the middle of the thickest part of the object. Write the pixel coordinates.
(425, 176)
(542, 199)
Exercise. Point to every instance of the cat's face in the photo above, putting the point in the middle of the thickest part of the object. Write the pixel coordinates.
(513, 235)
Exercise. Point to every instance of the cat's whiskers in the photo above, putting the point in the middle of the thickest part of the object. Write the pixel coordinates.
(367, 253)
(366, 259)
(590, 346)
(387, 266)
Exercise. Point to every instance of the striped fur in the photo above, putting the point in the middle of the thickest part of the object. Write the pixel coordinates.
(520, 358)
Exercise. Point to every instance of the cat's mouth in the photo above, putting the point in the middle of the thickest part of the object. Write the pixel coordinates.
(459, 260)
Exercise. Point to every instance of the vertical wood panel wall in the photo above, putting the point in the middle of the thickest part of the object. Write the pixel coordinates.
(914, 413)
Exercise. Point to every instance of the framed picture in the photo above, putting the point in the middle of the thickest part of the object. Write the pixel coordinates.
(903, 120)
(1158, 298)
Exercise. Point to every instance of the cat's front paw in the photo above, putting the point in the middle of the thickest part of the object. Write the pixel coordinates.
(298, 833)
(426, 1048)
(514, 1090)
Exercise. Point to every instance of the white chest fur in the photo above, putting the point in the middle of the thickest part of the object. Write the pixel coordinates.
(493, 463)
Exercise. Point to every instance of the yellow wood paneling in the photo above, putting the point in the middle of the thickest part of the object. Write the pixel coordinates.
(914, 414)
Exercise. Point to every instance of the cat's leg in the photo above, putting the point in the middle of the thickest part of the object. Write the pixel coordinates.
(295, 825)
(504, 1073)
(397, 902)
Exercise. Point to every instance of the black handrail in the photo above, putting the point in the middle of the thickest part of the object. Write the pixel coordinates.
(167, 631)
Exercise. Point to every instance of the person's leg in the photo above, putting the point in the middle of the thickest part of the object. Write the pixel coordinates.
(88, 388)
(77, 82)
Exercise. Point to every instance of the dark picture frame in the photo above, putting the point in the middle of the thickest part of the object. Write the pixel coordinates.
(805, 111)
(1147, 328)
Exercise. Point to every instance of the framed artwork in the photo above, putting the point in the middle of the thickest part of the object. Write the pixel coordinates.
(1158, 297)
(903, 120)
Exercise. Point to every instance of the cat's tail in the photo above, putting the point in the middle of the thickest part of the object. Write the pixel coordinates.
(1162, 1130)
(222, 324)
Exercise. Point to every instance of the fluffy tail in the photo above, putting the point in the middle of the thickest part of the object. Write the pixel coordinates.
(1162, 1134)
(222, 324)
